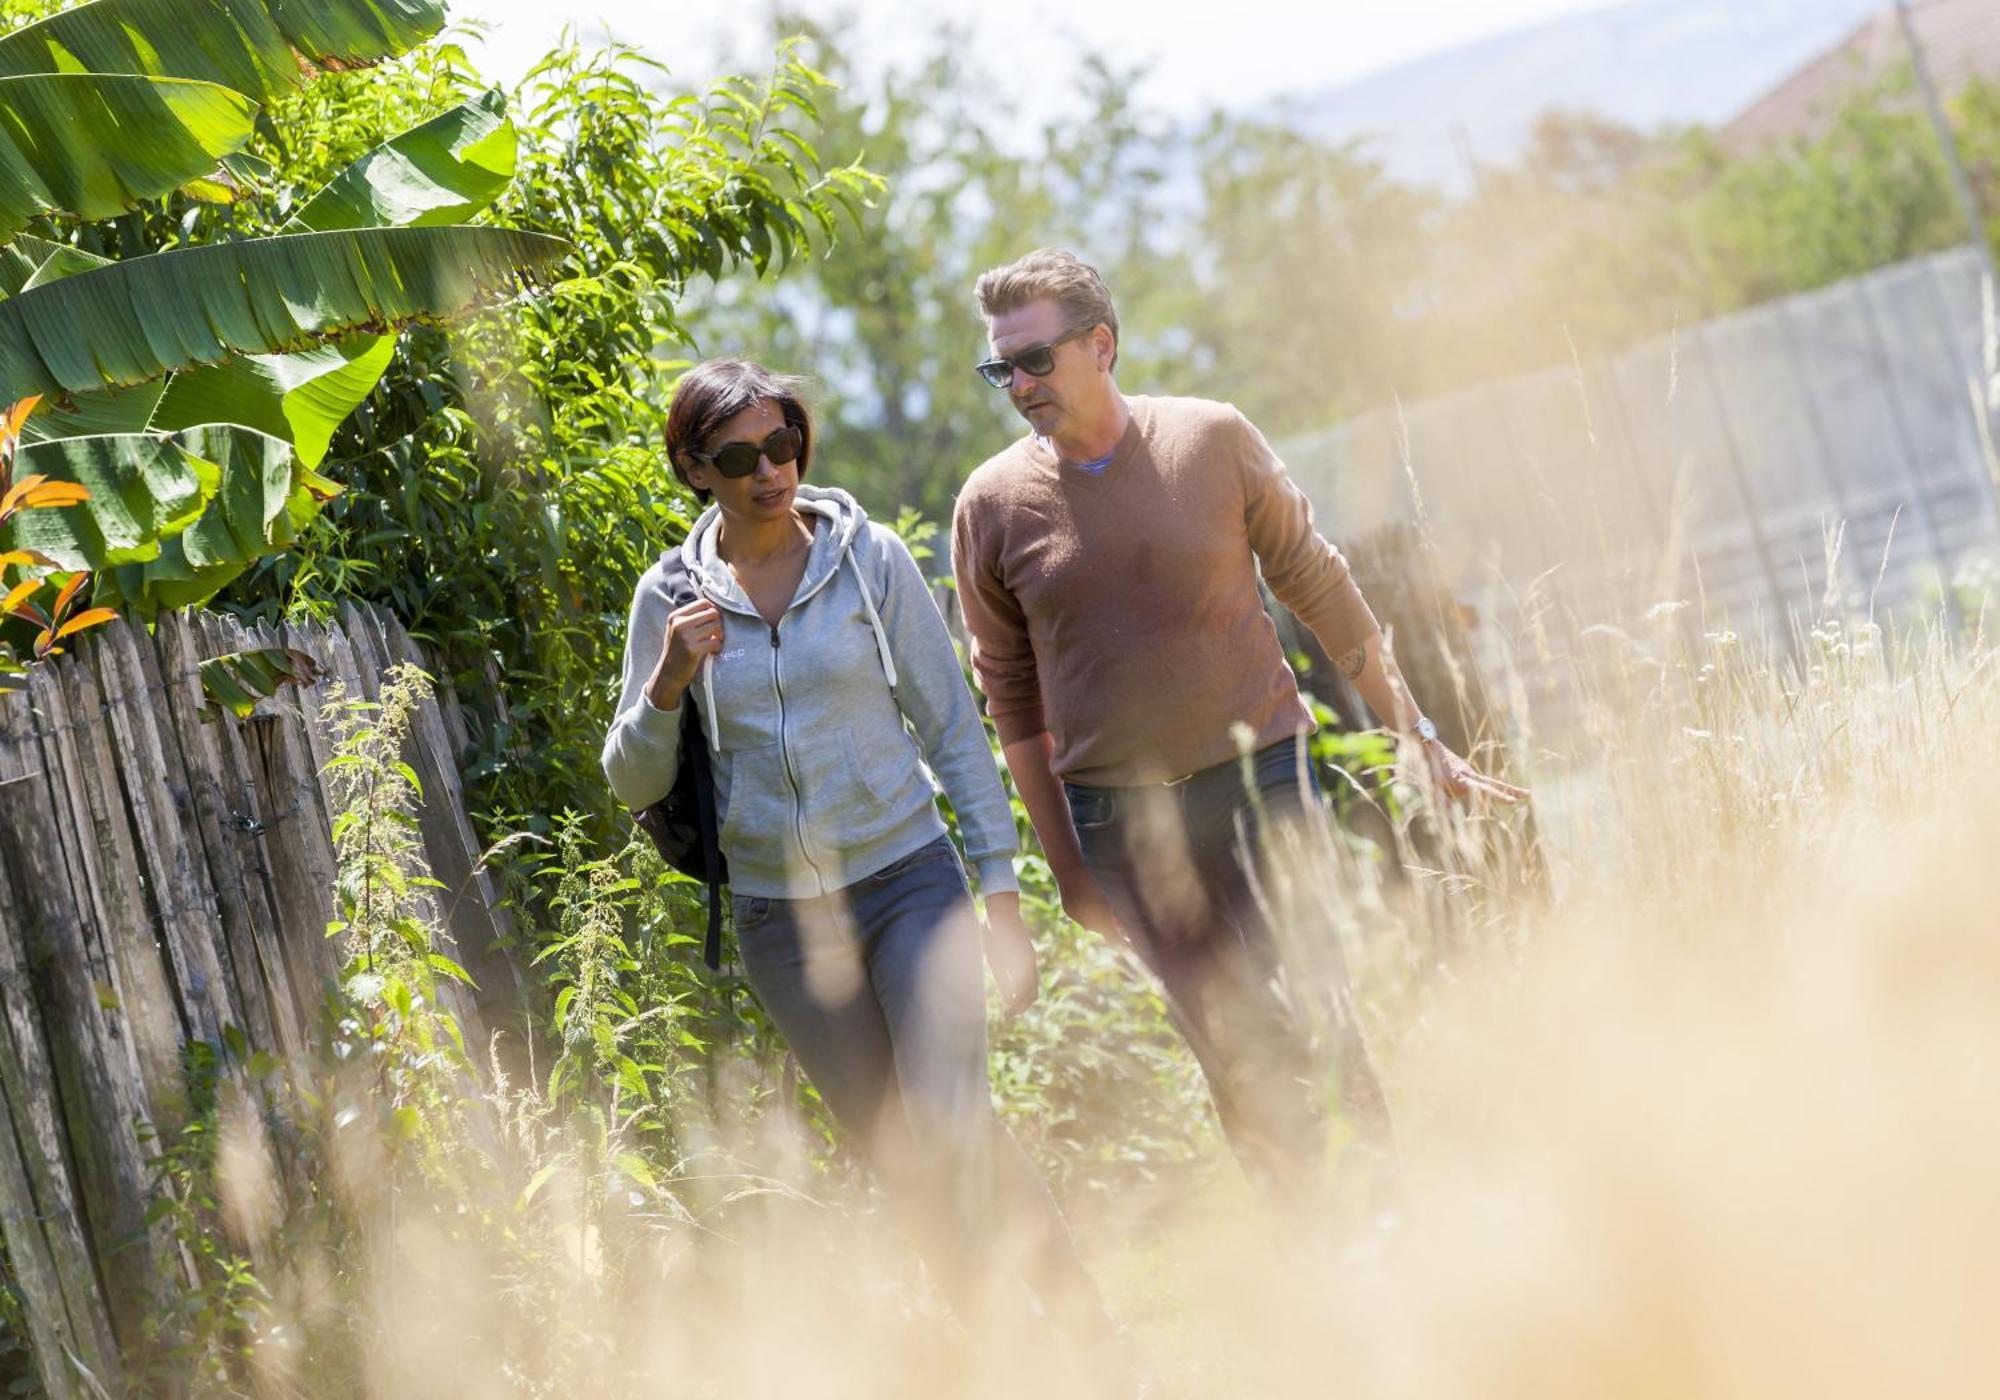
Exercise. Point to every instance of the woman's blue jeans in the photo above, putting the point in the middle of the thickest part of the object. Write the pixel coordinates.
(879, 990)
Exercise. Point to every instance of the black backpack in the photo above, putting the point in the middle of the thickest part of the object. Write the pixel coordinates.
(682, 824)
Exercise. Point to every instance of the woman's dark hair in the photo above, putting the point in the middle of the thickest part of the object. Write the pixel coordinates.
(715, 391)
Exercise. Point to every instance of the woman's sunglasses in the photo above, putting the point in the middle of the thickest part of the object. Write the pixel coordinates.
(738, 459)
(1037, 360)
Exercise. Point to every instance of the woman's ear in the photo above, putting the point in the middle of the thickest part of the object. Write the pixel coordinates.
(694, 474)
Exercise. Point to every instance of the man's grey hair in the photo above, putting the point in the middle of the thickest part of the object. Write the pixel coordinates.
(1050, 274)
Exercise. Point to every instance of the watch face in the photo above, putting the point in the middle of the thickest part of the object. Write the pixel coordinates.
(1426, 730)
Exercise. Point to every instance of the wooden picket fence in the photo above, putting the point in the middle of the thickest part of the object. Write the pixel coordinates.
(166, 878)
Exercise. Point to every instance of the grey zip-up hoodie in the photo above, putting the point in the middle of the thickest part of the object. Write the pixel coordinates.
(819, 782)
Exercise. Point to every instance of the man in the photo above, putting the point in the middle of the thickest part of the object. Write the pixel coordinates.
(1107, 566)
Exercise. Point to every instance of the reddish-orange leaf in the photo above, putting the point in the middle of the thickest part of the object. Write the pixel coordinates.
(11, 501)
(16, 415)
(69, 591)
(56, 493)
(92, 618)
(26, 558)
(43, 642)
(20, 594)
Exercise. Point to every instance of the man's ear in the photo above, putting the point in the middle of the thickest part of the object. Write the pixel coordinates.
(1105, 345)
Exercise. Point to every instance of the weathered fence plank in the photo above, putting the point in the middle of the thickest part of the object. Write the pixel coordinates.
(40, 1213)
(295, 840)
(104, 879)
(225, 818)
(167, 877)
(96, 1071)
(156, 794)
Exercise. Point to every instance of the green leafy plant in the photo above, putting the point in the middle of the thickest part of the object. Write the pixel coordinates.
(238, 680)
(392, 965)
(505, 482)
(202, 384)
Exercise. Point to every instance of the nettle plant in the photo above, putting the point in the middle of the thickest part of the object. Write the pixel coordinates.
(186, 397)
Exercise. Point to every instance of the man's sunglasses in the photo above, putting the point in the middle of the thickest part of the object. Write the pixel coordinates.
(1037, 360)
(739, 459)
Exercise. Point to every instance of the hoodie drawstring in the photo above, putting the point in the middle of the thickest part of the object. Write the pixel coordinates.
(875, 621)
(710, 725)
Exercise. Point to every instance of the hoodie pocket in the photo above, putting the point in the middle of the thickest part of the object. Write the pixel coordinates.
(888, 777)
(759, 802)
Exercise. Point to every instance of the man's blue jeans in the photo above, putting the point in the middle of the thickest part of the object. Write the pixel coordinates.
(1176, 860)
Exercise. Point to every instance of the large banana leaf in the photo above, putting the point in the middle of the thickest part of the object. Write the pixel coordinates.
(301, 398)
(266, 496)
(62, 262)
(18, 261)
(36, 260)
(133, 321)
(142, 489)
(91, 146)
(442, 172)
(262, 48)
(237, 681)
(30, 262)
(95, 415)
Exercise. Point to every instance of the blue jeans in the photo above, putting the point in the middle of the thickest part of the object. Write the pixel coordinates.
(879, 990)
(1176, 861)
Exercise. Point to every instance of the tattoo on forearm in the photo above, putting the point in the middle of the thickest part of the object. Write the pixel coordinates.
(1354, 663)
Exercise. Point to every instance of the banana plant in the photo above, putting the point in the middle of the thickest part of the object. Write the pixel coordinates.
(260, 48)
(193, 393)
(92, 145)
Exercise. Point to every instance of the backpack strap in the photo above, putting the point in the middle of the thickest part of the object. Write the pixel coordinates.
(681, 590)
(711, 854)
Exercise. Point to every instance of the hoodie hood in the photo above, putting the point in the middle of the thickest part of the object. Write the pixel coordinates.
(845, 521)
(826, 738)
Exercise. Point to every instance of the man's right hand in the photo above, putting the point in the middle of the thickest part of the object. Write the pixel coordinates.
(1030, 760)
(694, 631)
(1084, 903)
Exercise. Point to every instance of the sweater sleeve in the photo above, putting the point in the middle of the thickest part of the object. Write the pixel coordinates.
(642, 752)
(1305, 572)
(1003, 659)
(931, 689)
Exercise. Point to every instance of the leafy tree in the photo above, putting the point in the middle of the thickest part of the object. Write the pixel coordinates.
(886, 323)
(505, 483)
(1302, 250)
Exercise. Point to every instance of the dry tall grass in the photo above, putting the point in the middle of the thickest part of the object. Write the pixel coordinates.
(1720, 1120)
(1719, 1116)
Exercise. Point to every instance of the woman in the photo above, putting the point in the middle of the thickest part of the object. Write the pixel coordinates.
(812, 642)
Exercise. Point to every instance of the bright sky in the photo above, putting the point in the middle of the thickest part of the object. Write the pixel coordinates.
(1201, 54)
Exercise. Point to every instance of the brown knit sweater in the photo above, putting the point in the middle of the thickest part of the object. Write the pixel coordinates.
(1120, 611)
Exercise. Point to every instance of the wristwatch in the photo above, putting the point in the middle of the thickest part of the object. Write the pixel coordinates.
(1425, 730)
